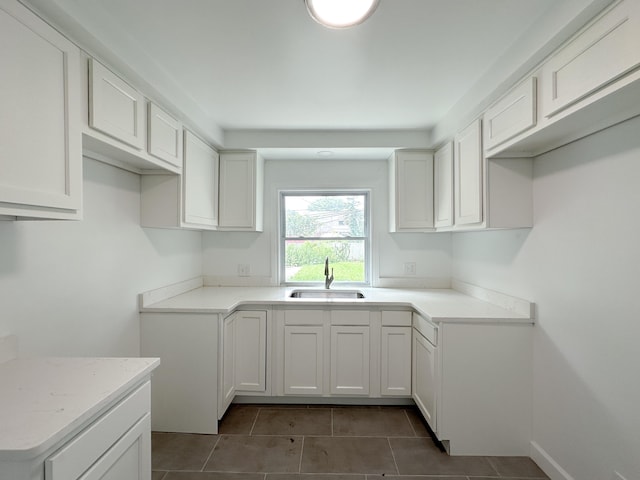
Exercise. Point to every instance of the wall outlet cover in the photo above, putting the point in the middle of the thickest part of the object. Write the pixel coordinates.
(243, 270)
(410, 268)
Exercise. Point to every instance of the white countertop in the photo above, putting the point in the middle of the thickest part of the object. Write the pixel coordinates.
(42, 400)
(438, 305)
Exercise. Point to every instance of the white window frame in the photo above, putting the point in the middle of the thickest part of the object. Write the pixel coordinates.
(366, 238)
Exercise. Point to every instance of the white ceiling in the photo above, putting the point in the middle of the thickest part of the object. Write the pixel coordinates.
(262, 65)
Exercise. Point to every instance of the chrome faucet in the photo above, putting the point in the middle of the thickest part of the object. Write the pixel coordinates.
(328, 280)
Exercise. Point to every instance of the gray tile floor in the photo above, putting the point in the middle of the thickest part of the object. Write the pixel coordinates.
(322, 443)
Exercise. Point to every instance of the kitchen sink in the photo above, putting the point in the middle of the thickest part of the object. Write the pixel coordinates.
(324, 293)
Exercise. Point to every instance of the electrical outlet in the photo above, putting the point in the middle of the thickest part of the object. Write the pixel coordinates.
(243, 270)
(409, 268)
(617, 476)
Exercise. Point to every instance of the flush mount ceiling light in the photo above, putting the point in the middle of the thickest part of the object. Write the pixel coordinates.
(341, 13)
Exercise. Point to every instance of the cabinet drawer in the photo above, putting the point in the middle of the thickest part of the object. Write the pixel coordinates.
(512, 115)
(349, 317)
(303, 317)
(87, 447)
(426, 328)
(396, 319)
(601, 53)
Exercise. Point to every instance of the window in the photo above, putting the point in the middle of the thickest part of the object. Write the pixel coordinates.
(320, 225)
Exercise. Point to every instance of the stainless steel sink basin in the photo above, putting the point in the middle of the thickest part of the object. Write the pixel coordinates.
(324, 293)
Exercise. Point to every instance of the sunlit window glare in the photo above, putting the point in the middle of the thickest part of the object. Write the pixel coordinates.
(341, 13)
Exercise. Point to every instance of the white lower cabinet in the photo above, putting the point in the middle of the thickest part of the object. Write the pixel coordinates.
(303, 372)
(395, 361)
(350, 360)
(424, 380)
(184, 394)
(116, 447)
(244, 356)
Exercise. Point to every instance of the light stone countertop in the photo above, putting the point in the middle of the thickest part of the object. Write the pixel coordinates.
(43, 400)
(438, 305)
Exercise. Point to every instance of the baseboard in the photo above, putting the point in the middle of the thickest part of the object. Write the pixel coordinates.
(548, 465)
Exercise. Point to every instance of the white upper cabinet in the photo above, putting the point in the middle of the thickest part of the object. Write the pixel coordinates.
(115, 107)
(512, 114)
(200, 182)
(241, 191)
(165, 136)
(189, 200)
(468, 175)
(443, 186)
(604, 51)
(411, 191)
(40, 124)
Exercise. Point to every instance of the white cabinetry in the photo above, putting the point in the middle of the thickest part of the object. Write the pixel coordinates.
(116, 446)
(244, 356)
(512, 114)
(200, 182)
(189, 200)
(411, 191)
(472, 383)
(443, 186)
(342, 352)
(241, 191)
(165, 136)
(468, 175)
(185, 390)
(350, 360)
(395, 354)
(488, 192)
(76, 418)
(425, 380)
(40, 124)
(598, 55)
(115, 107)
(302, 354)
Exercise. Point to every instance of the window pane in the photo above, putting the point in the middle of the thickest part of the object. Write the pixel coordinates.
(324, 215)
(304, 260)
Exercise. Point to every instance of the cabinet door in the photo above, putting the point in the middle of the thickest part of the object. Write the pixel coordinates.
(240, 191)
(200, 182)
(395, 361)
(603, 52)
(250, 351)
(115, 107)
(443, 186)
(350, 360)
(40, 136)
(165, 136)
(512, 114)
(412, 191)
(424, 379)
(228, 362)
(468, 176)
(303, 360)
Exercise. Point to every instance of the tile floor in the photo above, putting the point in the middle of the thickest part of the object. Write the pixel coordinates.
(322, 443)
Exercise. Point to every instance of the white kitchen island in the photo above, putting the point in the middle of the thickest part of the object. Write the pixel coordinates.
(70, 418)
(465, 361)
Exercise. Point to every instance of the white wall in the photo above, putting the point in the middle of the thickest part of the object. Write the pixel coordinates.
(223, 251)
(70, 288)
(581, 265)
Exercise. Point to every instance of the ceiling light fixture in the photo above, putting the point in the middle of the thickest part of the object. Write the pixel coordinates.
(341, 13)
